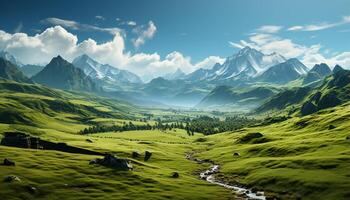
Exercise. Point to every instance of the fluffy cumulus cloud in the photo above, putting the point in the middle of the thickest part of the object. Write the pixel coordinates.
(309, 55)
(144, 33)
(40, 48)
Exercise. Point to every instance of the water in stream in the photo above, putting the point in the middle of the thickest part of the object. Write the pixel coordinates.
(208, 175)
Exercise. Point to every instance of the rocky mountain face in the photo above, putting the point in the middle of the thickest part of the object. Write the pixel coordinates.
(61, 74)
(105, 72)
(284, 72)
(8, 70)
(247, 63)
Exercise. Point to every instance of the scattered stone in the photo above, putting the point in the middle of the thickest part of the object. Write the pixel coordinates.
(236, 154)
(113, 162)
(135, 154)
(88, 140)
(147, 155)
(31, 189)
(330, 127)
(9, 162)
(11, 178)
(175, 175)
(95, 161)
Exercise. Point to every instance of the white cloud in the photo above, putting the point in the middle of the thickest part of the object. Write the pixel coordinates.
(269, 29)
(295, 28)
(99, 17)
(320, 26)
(131, 23)
(54, 41)
(209, 62)
(144, 33)
(309, 55)
(79, 26)
(269, 43)
(62, 22)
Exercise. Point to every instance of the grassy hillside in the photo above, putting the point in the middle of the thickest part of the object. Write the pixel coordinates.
(36, 105)
(298, 158)
(302, 157)
(248, 97)
(333, 91)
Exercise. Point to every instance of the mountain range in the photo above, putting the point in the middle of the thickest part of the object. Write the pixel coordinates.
(10, 71)
(246, 64)
(107, 75)
(247, 78)
(61, 74)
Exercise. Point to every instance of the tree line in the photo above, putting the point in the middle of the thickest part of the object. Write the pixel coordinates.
(202, 124)
(133, 127)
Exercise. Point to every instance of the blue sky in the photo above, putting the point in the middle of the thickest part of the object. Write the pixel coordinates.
(186, 31)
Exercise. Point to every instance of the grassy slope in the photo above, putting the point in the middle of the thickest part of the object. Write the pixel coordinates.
(59, 175)
(49, 171)
(302, 158)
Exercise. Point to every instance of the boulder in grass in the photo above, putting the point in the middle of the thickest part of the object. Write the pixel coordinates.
(9, 162)
(175, 175)
(113, 162)
(31, 189)
(135, 154)
(330, 127)
(89, 141)
(147, 155)
(11, 178)
(236, 154)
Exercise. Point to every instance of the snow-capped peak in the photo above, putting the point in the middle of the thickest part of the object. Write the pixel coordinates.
(100, 71)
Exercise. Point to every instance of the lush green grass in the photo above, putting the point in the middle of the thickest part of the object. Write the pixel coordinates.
(60, 175)
(299, 157)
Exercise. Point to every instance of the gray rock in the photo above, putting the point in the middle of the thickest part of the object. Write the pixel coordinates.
(330, 127)
(236, 154)
(175, 175)
(135, 154)
(113, 162)
(147, 155)
(11, 178)
(9, 162)
(31, 189)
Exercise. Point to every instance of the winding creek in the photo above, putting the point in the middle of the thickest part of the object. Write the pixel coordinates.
(209, 176)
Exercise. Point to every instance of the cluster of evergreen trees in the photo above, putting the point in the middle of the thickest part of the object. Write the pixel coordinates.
(132, 127)
(202, 124)
(211, 125)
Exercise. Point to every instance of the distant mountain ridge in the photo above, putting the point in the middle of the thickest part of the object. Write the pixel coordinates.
(178, 74)
(61, 74)
(247, 63)
(7, 56)
(8, 70)
(106, 72)
(334, 90)
(284, 72)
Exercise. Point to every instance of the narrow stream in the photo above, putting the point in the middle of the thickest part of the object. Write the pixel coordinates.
(209, 175)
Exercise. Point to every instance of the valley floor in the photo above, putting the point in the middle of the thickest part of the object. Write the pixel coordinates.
(300, 158)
